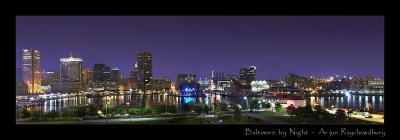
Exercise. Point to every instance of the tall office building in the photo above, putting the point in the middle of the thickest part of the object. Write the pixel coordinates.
(248, 74)
(115, 75)
(133, 77)
(70, 69)
(31, 70)
(144, 70)
(101, 73)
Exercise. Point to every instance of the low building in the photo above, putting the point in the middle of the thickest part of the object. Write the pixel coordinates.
(205, 84)
(46, 89)
(258, 86)
(296, 101)
(103, 85)
(275, 83)
(124, 84)
(376, 85)
(187, 84)
(161, 85)
(69, 87)
(189, 89)
(239, 87)
(224, 85)
(50, 77)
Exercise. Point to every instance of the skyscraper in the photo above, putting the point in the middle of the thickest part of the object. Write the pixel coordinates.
(31, 70)
(70, 69)
(115, 75)
(133, 77)
(101, 73)
(145, 72)
(248, 74)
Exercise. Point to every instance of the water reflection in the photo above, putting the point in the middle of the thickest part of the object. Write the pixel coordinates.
(187, 100)
(352, 102)
(141, 101)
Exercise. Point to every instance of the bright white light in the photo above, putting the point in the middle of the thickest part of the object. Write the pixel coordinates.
(70, 59)
(347, 93)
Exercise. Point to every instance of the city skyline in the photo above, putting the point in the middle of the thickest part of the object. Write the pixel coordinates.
(348, 45)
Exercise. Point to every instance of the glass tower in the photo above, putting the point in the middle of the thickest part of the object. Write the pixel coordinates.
(144, 70)
(31, 70)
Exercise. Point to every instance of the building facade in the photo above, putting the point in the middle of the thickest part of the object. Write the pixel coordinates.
(248, 74)
(101, 73)
(187, 84)
(21, 88)
(49, 77)
(258, 86)
(115, 75)
(124, 84)
(133, 77)
(70, 69)
(205, 84)
(376, 84)
(87, 77)
(31, 70)
(144, 71)
(186, 79)
(161, 85)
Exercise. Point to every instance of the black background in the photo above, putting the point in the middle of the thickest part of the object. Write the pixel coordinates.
(115, 132)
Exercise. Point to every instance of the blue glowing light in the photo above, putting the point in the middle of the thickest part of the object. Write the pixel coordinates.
(188, 89)
(188, 99)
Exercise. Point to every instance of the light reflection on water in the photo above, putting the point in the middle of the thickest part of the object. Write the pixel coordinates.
(353, 102)
(140, 101)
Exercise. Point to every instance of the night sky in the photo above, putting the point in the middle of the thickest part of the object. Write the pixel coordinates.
(277, 45)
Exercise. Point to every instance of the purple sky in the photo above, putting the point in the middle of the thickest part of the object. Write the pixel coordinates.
(277, 45)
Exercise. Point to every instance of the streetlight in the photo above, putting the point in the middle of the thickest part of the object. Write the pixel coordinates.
(128, 106)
